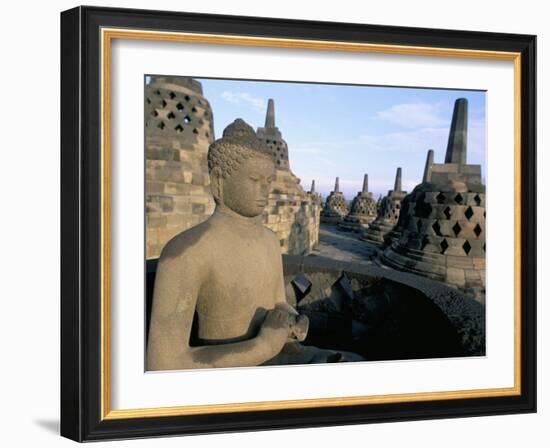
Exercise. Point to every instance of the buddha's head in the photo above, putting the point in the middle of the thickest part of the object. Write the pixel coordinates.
(241, 170)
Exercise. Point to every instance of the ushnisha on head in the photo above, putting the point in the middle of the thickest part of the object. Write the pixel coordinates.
(241, 170)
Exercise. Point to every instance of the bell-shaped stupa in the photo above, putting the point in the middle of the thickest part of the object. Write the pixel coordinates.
(363, 210)
(394, 234)
(335, 206)
(316, 197)
(443, 234)
(388, 213)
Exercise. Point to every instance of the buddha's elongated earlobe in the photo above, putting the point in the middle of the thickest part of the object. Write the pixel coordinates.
(216, 185)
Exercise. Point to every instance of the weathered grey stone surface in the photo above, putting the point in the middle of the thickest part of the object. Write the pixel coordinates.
(388, 214)
(363, 210)
(343, 246)
(219, 295)
(442, 233)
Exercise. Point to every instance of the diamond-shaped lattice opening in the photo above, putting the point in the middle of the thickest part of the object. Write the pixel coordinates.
(459, 198)
(179, 128)
(457, 229)
(157, 92)
(469, 213)
(172, 95)
(344, 286)
(448, 212)
(424, 243)
(161, 125)
(302, 284)
(477, 200)
(194, 110)
(187, 119)
(422, 209)
(163, 104)
(484, 248)
(444, 246)
(195, 131)
(201, 122)
(171, 116)
(179, 107)
(440, 198)
(154, 113)
(207, 134)
(437, 228)
(477, 230)
(187, 98)
(148, 101)
(467, 247)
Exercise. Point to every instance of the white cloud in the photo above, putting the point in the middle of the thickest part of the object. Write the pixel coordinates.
(408, 141)
(413, 115)
(420, 140)
(245, 98)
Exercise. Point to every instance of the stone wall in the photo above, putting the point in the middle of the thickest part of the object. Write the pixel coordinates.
(292, 214)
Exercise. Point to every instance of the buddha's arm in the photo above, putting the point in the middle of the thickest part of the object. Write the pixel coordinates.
(177, 286)
(300, 322)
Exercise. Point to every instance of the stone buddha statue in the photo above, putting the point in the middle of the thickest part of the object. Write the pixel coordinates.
(219, 296)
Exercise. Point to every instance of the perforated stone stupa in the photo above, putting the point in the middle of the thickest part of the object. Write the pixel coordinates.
(291, 213)
(444, 228)
(394, 234)
(314, 195)
(335, 207)
(388, 213)
(273, 138)
(363, 210)
(178, 131)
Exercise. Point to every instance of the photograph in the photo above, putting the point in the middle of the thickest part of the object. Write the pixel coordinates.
(306, 223)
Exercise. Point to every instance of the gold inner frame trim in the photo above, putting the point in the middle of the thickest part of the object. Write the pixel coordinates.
(107, 35)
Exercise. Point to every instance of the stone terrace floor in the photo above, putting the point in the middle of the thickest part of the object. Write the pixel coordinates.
(343, 246)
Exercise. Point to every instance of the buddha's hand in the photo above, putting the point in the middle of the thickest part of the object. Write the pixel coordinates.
(299, 325)
(276, 328)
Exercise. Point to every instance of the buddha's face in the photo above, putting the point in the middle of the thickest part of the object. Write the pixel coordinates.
(246, 190)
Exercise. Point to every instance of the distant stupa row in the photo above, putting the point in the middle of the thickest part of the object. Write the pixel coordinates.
(365, 212)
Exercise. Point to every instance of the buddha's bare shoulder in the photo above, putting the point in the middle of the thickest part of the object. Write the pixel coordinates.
(195, 242)
(271, 237)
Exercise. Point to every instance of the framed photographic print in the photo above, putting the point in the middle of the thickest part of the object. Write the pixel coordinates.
(273, 223)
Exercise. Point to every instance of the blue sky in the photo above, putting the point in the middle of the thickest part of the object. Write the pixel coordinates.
(347, 131)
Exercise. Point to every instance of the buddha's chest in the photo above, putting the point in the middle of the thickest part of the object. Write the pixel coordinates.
(241, 286)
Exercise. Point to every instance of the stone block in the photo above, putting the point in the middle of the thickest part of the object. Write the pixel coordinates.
(187, 176)
(198, 209)
(455, 276)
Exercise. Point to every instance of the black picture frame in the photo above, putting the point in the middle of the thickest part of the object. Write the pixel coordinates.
(81, 224)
